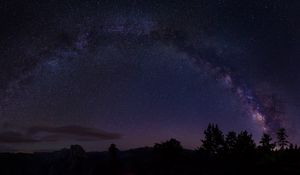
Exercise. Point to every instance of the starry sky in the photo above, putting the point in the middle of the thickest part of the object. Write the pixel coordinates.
(137, 72)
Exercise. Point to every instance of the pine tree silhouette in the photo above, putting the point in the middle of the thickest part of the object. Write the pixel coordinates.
(282, 141)
(213, 142)
(231, 141)
(115, 164)
(266, 144)
(245, 143)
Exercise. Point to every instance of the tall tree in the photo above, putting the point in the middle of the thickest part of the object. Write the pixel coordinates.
(214, 140)
(245, 143)
(115, 164)
(282, 141)
(266, 143)
(230, 141)
(113, 151)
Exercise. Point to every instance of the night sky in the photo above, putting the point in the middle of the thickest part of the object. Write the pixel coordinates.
(137, 72)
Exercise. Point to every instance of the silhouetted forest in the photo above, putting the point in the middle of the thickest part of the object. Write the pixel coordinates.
(231, 154)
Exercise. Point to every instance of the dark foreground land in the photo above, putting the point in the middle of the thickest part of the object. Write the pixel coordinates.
(233, 154)
(156, 160)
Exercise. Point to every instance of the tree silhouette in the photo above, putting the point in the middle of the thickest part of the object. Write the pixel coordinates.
(214, 140)
(282, 141)
(167, 154)
(230, 141)
(266, 144)
(115, 165)
(113, 151)
(170, 147)
(245, 143)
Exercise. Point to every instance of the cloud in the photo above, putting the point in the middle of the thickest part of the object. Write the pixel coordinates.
(55, 134)
(5, 149)
(82, 133)
(15, 137)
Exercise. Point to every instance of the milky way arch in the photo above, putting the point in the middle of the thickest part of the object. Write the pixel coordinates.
(256, 107)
